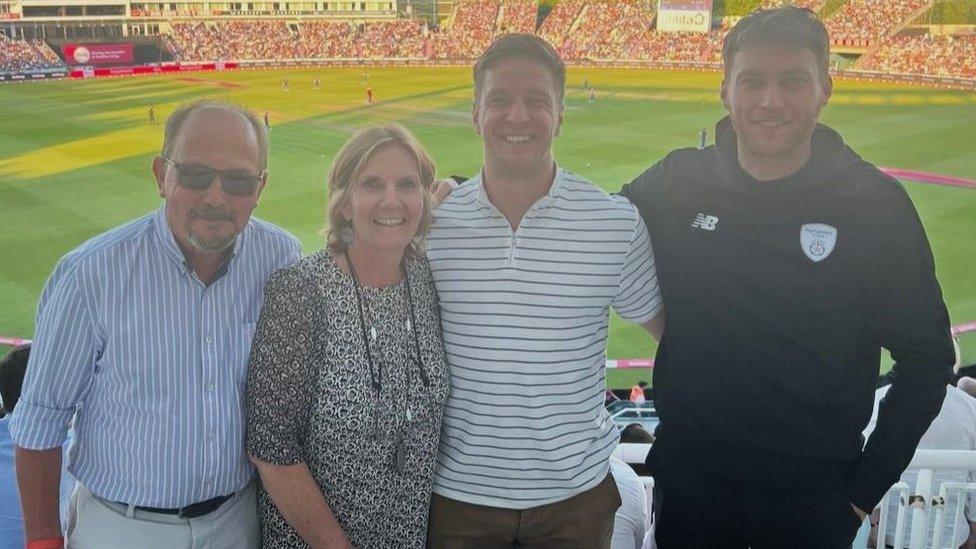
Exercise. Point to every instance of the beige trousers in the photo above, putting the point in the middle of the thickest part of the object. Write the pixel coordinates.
(94, 523)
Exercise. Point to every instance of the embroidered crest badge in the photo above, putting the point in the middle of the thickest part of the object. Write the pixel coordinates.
(817, 241)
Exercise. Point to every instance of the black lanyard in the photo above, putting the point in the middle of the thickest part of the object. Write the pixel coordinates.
(376, 372)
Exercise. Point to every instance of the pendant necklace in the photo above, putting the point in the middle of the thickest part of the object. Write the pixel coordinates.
(376, 371)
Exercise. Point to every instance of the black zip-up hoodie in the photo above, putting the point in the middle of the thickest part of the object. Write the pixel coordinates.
(779, 297)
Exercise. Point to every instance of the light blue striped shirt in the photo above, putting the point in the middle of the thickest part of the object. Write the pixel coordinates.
(152, 360)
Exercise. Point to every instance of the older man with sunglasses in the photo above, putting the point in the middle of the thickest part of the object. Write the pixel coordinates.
(142, 337)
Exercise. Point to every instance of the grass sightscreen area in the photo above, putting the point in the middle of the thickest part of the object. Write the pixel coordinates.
(75, 155)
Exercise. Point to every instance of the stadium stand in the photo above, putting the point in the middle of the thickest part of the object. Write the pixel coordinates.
(560, 21)
(925, 54)
(517, 16)
(607, 30)
(599, 30)
(241, 40)
(22, 56)
(327, 40)
(680, 46)
(861, 23)
(470, 32)
(405, 38)
(813, 5)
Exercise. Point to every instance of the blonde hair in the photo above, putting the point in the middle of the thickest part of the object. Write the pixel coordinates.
(349, 163)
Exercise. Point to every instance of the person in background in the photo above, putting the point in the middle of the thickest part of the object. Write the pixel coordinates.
(630, 520)
(13, 367)
(637, 395)
(953, 429)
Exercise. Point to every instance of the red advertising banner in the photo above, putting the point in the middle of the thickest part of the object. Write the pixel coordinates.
(98, 54)
(90, 72)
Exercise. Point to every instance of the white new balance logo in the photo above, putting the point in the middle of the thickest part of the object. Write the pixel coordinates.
(705, 222)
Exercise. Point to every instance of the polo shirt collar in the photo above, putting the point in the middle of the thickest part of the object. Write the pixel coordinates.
(558, 182)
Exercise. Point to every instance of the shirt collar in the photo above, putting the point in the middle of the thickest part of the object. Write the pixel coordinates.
(558, 182)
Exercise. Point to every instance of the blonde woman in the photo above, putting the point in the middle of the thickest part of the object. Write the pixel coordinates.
(347, 378)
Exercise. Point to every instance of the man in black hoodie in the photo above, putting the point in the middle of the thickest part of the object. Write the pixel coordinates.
(786, 263)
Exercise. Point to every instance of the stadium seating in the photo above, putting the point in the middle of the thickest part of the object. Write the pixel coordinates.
(20, 56)
(556, 26)
(861, 23)
(394, 39)
(327, 40)
(240, 40)
(925, 54)
(517, 16)
(813, 5)
(680, 46)
(607, 30)
(611, 30)
(470, 33)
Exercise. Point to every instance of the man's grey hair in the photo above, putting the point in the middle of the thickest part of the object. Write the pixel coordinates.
(178, 119)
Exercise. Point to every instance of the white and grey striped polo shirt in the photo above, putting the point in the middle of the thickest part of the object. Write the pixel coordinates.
(525, 316)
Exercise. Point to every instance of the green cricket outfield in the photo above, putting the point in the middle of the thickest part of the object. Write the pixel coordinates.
(75, 155)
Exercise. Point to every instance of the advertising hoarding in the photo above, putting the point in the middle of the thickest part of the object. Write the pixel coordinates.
(97, 54)
(684, 15)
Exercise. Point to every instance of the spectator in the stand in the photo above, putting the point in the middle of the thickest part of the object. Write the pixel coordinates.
(20, 56)
(630, 520)
(637, 395)
(863, 22)
(635, 433)
(142, 336)
(968, 385)
(13, 367)
(952, 56)
(953, 429)
(347, 378)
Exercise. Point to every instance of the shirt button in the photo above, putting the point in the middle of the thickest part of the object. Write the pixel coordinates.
(208, 339)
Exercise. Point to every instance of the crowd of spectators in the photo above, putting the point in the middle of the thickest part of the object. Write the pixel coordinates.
(813, 5)
(608, 30)
(470, 33)
(327, 40)
(862, 22)
(517, 16)
(680, 46)
(579, 30)
(556, 26)
(259, 40)
(20, 56)
(926, 54)
(406, 38)
(241, 40)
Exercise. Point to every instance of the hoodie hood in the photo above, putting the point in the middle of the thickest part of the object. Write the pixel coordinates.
(831, 156)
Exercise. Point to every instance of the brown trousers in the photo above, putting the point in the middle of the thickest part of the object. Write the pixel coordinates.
(584, 521)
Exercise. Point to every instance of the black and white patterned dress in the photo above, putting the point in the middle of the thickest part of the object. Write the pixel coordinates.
(309, 399)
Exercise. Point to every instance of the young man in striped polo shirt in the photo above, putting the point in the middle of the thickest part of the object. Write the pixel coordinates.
(528, 259)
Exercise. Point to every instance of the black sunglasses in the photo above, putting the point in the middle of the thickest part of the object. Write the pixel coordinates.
(197, 177)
